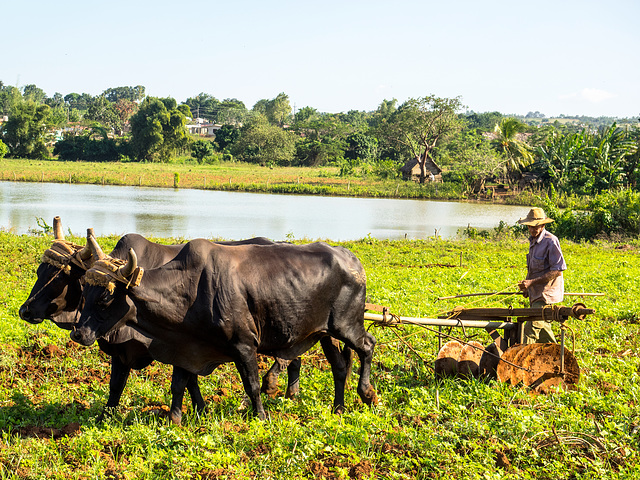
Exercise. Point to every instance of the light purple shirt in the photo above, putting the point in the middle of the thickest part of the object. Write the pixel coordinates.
(545, 255)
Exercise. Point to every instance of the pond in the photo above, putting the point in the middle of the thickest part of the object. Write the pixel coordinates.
(184, 213)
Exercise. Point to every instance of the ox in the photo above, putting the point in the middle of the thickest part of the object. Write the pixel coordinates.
(214, 304)
(57, 296)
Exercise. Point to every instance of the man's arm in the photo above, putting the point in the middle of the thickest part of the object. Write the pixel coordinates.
(546, 278)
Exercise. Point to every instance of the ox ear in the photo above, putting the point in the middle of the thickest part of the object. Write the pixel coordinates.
(131, 265)
(95, 248)
(57, 228)
(85, 253)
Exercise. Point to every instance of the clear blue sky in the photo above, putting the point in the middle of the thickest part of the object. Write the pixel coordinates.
(553, 56)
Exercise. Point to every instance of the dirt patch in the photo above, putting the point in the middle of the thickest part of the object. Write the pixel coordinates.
(69, 430)
(327, 467)
(258, 451)
(214, 474)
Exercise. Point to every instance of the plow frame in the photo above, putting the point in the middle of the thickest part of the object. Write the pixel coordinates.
(510, 320)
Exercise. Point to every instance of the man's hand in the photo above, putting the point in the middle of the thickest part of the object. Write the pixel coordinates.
(524, 285)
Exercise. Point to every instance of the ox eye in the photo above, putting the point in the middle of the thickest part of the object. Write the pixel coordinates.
(105, 298)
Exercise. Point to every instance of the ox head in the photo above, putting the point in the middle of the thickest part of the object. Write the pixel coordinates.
(106, 297)
(57, 292)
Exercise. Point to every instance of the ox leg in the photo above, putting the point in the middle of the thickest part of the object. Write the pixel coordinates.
(340, 365)
(179, 380)
(293, 378)
(196, 396)
(270, 379)
(119, 376)
(247, 366)
(365, 389)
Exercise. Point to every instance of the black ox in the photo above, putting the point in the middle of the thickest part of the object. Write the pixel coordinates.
(57, 296)
(214, 304)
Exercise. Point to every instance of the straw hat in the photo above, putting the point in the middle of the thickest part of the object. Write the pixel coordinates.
(535, 217)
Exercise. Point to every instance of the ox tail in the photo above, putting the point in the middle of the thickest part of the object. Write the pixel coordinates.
(347, 356)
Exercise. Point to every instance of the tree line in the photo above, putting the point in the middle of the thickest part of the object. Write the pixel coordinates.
(581, 157)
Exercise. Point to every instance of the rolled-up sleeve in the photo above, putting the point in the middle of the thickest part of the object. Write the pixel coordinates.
(556, 259)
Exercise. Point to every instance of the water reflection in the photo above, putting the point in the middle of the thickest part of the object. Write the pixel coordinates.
(233, 215)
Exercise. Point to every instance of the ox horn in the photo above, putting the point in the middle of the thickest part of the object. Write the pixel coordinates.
(57, 228)
(131, 265)
(85, 253)
(95, 248)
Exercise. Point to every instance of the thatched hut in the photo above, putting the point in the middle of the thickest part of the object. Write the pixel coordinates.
(411, 170)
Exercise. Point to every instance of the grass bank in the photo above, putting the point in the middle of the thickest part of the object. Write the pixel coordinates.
(232, 176)
(51, 389)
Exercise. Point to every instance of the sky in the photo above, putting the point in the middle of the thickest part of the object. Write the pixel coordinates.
(571, 57)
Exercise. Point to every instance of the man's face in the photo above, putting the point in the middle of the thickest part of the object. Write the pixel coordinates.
(535, 231)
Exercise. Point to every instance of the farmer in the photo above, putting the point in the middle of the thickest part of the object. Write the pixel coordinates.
(544, 284)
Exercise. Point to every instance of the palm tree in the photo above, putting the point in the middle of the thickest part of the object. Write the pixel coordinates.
(517, 153)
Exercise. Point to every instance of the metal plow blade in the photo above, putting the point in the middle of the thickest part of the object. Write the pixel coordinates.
(538, 366)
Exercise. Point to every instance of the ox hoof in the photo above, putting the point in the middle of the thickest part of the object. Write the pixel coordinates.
(175, 418)
(245, 404)
(292, 393)
(369, 396)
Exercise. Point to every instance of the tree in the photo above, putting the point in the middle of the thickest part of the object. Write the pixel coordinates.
(78, 101)
(226, 136)
(3, 149)
(25, 131)
(420, 124)
(277, 110)
(607, 157)
(305, 114)
(484, 121)
(383, 112)
(103, 111)
(33, 93)
(361, 146)
(157, 129)
(9, 97)
(469, 159)
(201, 149)
(322, 140)
(123, 109)
(231, 111)
(203, 105)
(261, 142)
(56, 101)
(517, 153)
(131, 94)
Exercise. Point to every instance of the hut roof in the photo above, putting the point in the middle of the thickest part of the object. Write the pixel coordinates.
(430, 166)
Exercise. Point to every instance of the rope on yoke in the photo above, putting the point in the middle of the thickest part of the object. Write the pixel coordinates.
(106, 272)
(62, 254)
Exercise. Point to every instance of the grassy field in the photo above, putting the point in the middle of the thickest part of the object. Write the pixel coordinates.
(233, 176)
(51, 389)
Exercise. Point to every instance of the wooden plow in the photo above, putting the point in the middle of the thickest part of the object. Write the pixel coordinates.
(541, 367)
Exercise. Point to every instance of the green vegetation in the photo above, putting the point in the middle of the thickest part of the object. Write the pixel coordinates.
(590, 169)
(51, 389)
